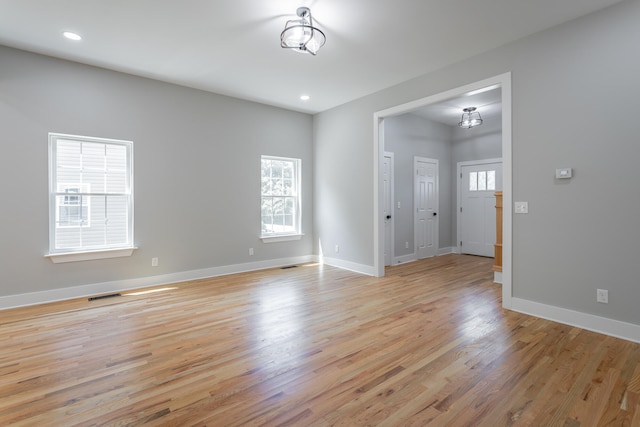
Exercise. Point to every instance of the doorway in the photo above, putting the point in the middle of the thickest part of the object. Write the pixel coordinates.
(504, 82)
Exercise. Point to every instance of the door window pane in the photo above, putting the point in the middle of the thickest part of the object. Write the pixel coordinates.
(491, 180)
(482, 181)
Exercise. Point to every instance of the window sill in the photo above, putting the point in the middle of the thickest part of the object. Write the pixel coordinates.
(90, 255)
(281, 238)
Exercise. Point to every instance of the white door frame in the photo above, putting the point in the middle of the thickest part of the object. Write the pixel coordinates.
(459, 191)
(391, 244)
(503, 81)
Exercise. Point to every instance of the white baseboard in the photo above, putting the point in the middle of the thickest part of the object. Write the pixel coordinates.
(405, 259)
(348, 265)
(33, 298)
(497, 277)
(414, 256)
(449, 250)
(603, 325)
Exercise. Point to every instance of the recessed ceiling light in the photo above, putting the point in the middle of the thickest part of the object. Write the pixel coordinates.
(305, 97)
(72, 36)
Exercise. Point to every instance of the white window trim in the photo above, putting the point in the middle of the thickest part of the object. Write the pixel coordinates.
(289, 236)
(281, 238)
(60, 258)
(63, 256)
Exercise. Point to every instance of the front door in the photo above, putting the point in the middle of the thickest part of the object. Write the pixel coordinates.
(478, 184)
(426, 207)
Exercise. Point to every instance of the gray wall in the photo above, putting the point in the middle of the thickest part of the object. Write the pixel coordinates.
(478, 143)
(573, 88)
(408, 136)
(196, 170)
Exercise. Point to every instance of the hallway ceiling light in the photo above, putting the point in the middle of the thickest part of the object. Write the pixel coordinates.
(470, 118)
(300, 34)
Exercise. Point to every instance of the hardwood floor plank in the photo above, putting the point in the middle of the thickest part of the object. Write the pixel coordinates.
(427, 345)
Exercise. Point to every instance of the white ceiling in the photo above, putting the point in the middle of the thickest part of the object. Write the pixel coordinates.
(232, 47)
(488, 102)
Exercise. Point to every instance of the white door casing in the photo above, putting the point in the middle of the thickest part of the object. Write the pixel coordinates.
(425, 207)
(504, 82)
(477, 183)
(387, 183)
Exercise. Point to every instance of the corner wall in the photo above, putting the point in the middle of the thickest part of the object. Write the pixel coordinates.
(572, 87)
(196, 172)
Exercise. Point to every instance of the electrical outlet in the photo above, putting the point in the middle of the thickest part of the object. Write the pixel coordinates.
(337, 248)
(250, 251)
(602, 296)
(154, 262)
(406, 245)
(521, 207)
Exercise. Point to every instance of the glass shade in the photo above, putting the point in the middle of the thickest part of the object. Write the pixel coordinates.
(470, 118)
(300, 34)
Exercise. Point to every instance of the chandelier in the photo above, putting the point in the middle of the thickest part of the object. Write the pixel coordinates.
(470, 118)
(300, 34)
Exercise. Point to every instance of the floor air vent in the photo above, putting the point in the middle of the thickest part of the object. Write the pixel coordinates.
(105, 296)
(288, 266)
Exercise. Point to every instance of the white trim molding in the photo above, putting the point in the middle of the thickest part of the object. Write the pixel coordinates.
(501, 80)
(348, 265)
(281, 238)
(90, 255)
(590, 322)
(405, 259)
(33, 298)
(448, 250)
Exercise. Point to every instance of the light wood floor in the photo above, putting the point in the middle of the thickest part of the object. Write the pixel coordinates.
(428, 345)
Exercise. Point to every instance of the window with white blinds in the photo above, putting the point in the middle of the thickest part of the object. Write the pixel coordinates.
(90, 194)
(280, 196)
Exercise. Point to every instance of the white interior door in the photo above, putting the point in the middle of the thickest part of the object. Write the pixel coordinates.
(387, 186)
(426, 207)
(477, 214)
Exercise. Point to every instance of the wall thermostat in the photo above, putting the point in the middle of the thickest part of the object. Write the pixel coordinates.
(563, 173)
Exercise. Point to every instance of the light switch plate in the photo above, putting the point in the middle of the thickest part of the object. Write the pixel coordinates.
(522, 207)
(564, 173)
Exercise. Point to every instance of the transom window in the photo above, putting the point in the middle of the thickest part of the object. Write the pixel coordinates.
(482, 180)
(90, 196)
(280, 204)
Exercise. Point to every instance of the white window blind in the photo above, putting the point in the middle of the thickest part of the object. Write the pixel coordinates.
(90, 194)
(280, 196)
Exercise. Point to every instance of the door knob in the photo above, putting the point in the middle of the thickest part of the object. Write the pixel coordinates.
(434, 214)
(388, 216)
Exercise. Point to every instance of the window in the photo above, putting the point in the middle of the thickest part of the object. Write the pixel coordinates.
(90, 196)
(280, 196)
(482, 181)
(73, 209)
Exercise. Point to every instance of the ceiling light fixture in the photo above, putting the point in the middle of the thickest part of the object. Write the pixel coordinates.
(305, 97)
(470, 118)
(300, 34)
(72, 36)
